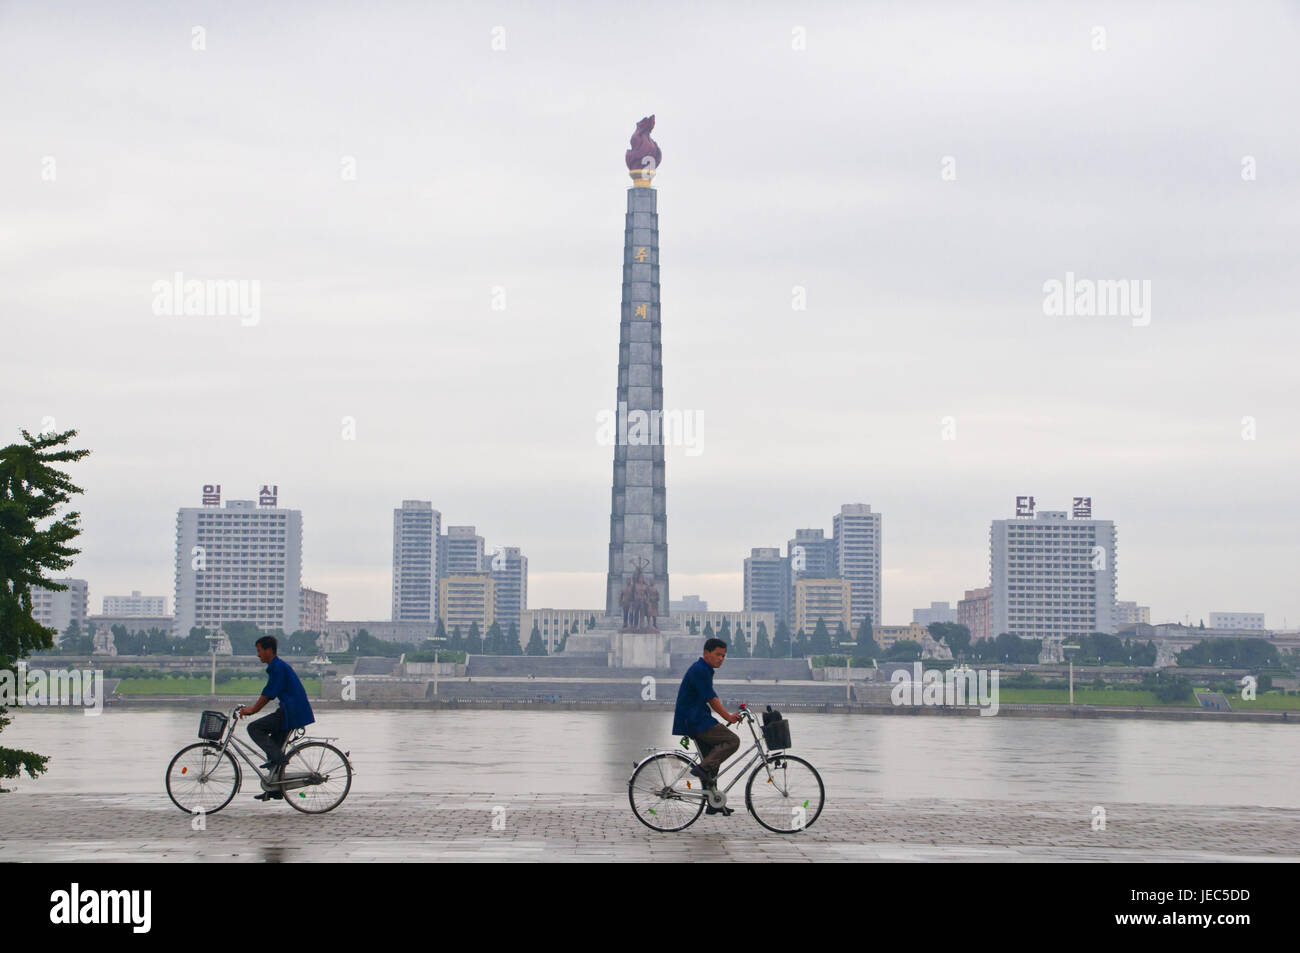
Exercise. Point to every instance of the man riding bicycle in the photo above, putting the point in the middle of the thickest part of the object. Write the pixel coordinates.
(269, 733)
(691, 717)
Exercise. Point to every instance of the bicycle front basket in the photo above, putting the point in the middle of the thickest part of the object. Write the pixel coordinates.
(212, 726)
(777, 734)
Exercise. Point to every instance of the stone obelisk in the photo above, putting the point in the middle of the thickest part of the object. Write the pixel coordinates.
(638, 524)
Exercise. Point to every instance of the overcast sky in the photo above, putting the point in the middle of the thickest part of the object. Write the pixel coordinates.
(130, 155)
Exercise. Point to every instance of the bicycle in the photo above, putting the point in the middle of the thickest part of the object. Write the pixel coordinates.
(205, 777)
(789, 796)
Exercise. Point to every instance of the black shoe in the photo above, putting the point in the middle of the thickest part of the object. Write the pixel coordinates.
(708, 777)
(269, 796)
(724, 811)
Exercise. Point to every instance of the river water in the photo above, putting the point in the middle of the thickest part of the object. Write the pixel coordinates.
(569, 752)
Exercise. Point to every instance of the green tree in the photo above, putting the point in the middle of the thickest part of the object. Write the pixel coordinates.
(473, 642)
(739, 645)
(820, 643)
(591, 623)
(781, 641)
(563, 642)
(160, 642)
(535, 644)
(302, 642)
(512, 640)
(762, 645)
(799, 647)
(456, 643)
(708, 630)
(73, 642)
(32, 491)
(904, 650)
(839, 636)
(693, 626)
(494, 643)
(724, 633)
(955, 635)
(125, 642)
(867, 647)
(244, 635)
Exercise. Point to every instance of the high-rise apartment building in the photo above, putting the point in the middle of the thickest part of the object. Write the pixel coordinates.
(57, 609)
(767, 583)
(509, 571)
(239, 563)
(135, 604)
(1130, 613)
(314, 613)
(826, 599)
(975, 612)
(467, 598)
(1052, 576)
(416, 532)
(938, 612)
(461, 552)
(857, 559)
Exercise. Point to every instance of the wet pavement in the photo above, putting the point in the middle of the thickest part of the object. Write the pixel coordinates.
(488, 826)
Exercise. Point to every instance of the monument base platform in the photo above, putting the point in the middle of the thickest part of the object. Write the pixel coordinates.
(640, 650)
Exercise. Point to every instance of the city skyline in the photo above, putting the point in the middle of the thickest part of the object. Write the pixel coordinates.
(925, 312)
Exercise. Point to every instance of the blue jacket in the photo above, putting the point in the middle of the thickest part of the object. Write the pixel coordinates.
(692, 716)
(282, 682)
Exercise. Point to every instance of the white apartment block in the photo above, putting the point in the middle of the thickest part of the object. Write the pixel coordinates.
(1130, 613)
(238, 563)
(746, 622)
(858, 559)
(135, 604)
(938, 612)
(416, 528)
(1051, 576)
(509, 570)
(461, 552)
(57, 609)
(1244, 621)
(553, 623)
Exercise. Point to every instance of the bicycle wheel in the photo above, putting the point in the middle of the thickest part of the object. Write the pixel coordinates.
(327, 773)
(202, 778)
(663, 793)
(785, 794)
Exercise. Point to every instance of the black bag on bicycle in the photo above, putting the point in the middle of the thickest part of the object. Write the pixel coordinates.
(776, 730)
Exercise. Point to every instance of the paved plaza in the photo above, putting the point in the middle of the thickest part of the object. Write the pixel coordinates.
(425, 827)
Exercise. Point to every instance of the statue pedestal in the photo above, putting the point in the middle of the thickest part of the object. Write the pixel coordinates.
(639, 650)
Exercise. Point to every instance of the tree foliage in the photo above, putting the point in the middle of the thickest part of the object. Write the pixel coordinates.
(35, 541)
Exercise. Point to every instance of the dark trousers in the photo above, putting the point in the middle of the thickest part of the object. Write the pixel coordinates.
(716, 746)
(269, 734)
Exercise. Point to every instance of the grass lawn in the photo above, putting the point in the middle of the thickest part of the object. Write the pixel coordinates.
(1084, 696)
(1265, 702)
(1134, 696)
(248, 687)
